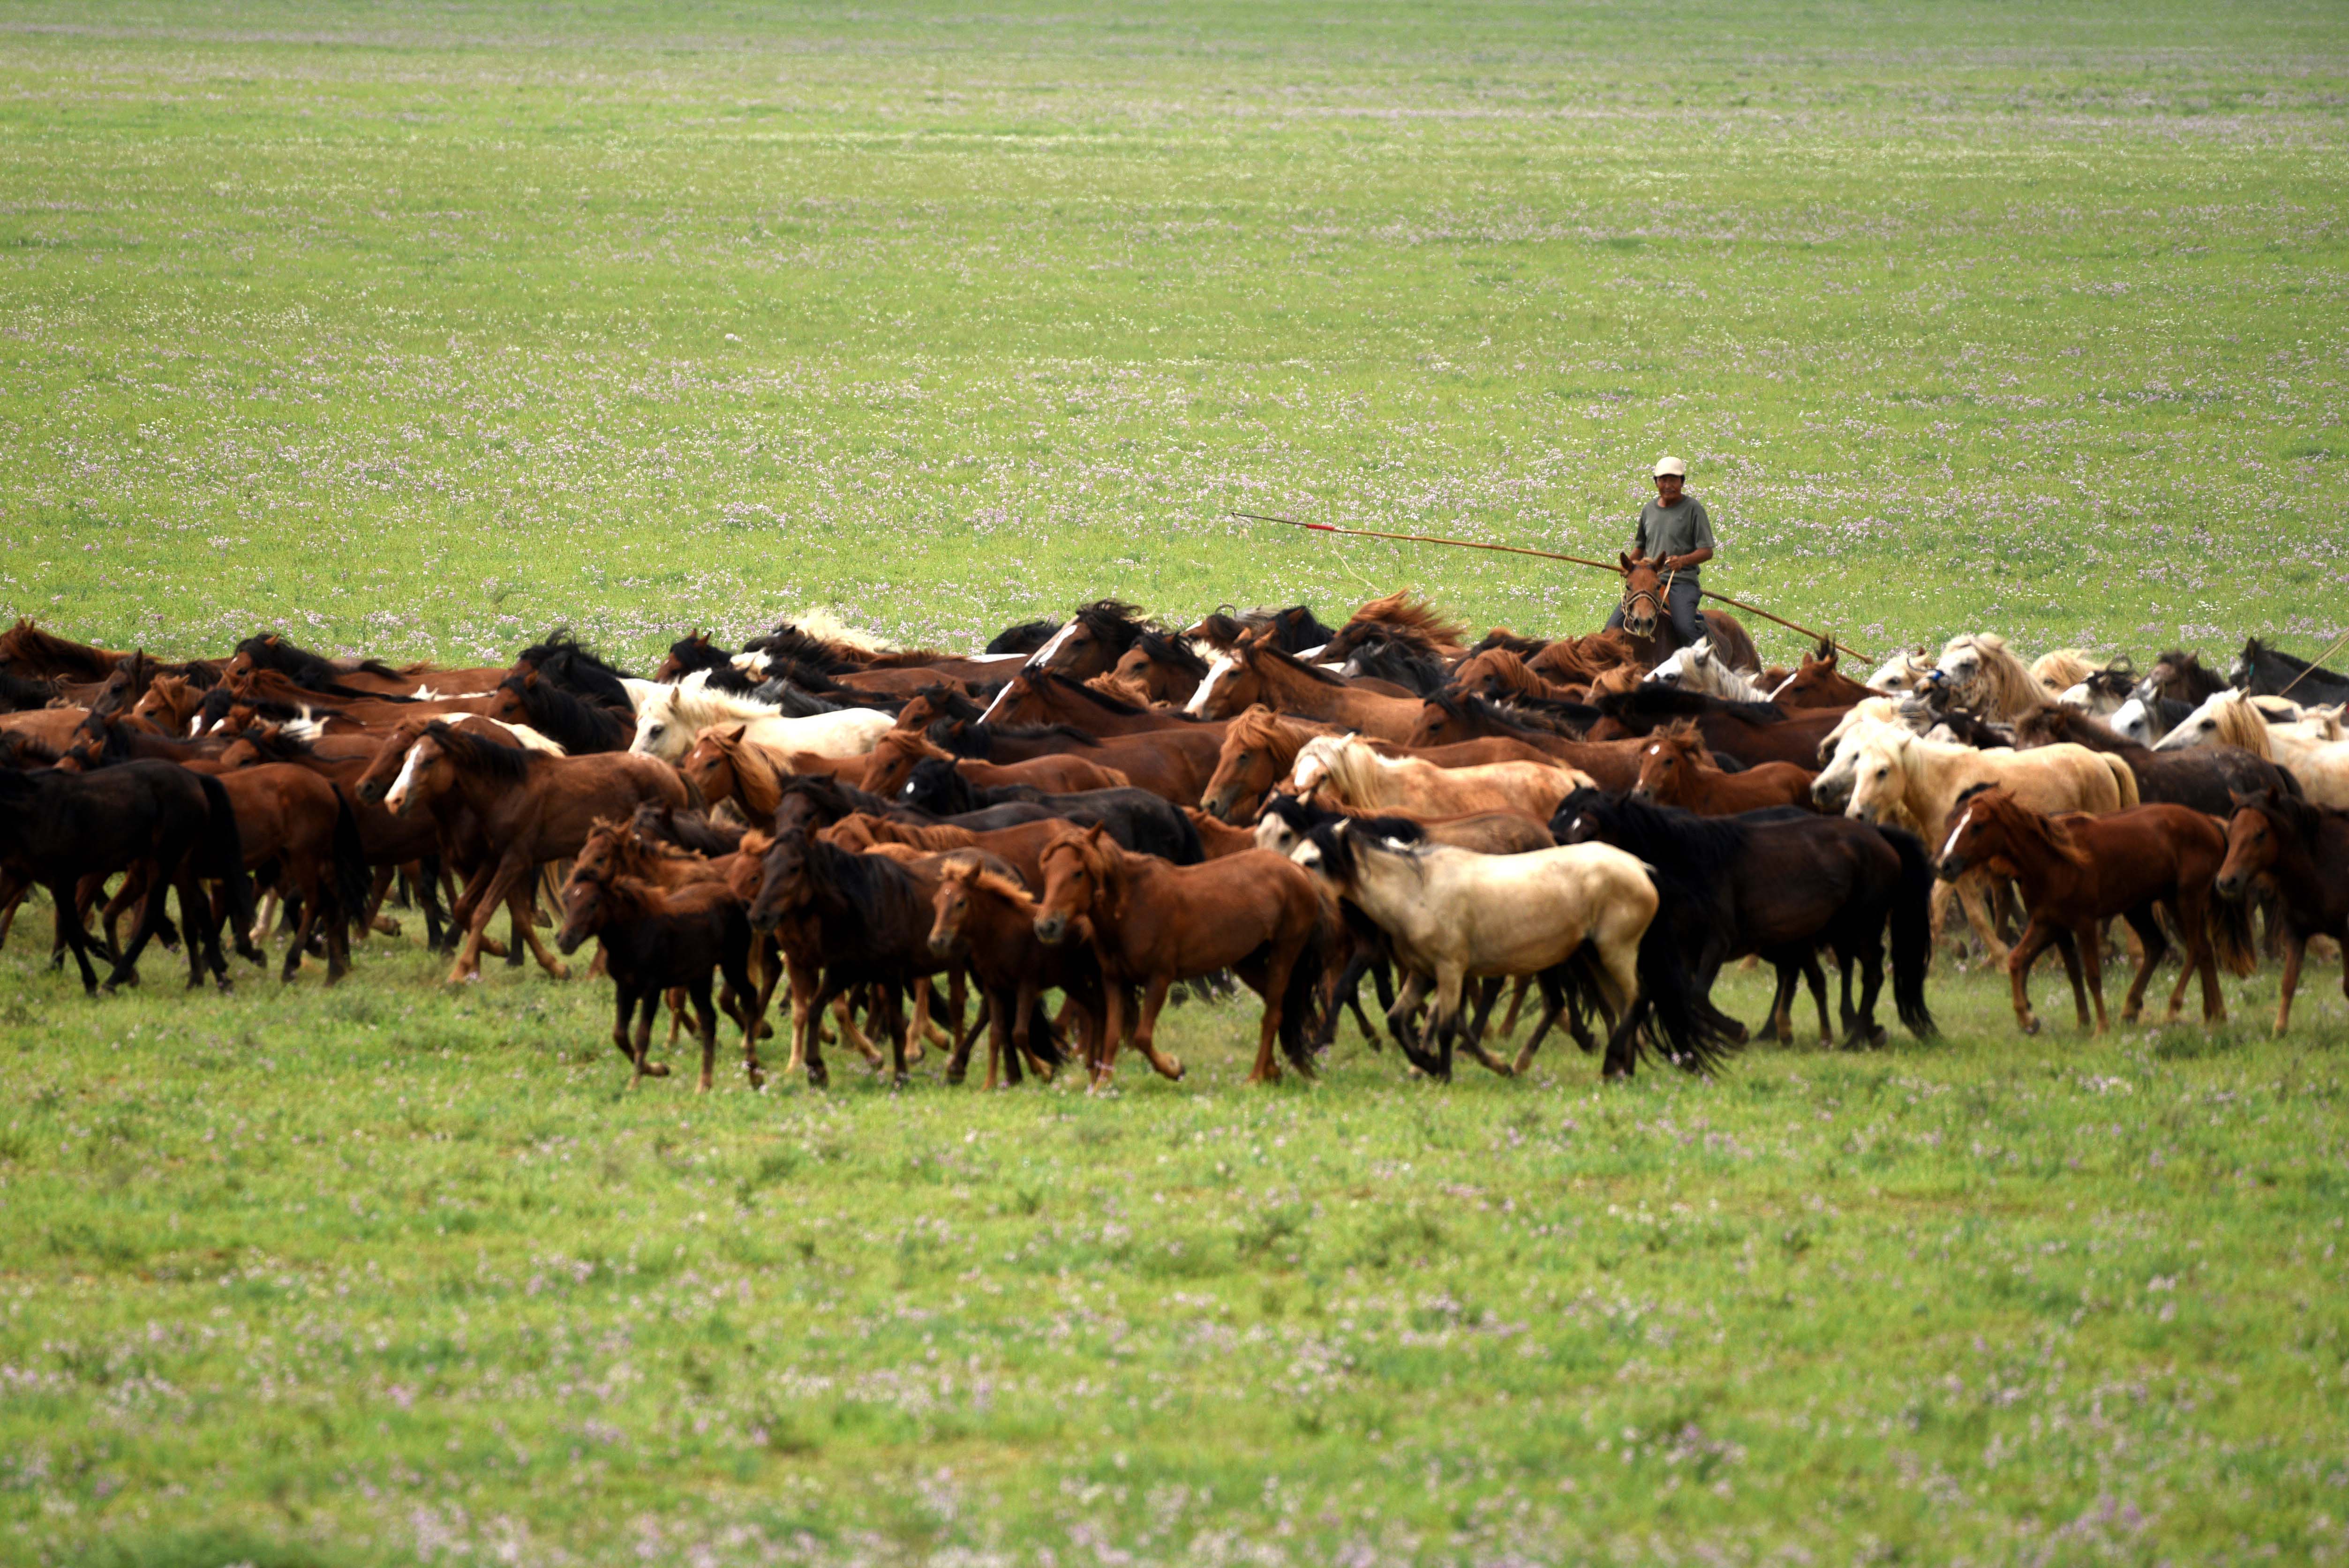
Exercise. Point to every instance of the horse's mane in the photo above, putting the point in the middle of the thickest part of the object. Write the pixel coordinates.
(975, 739)
(2011, 688)
(1417, 671)
(2042, 832)
(1506, 641)
(1263, 648)
(560, 660)
(1114, 620)
(829, 795)
(788, 642)
(1023, 638)
(694, 700)
(1698, 853)
(2061, 669)
(979, 875)
(21, 694)
(275, 651)
(1401, 609)
(572, 722)
(480, 754)
(26, 642)
(1166, 647)
(1663, 702)
(1110, 684)
(693, 831)
(757, 777)
(2240, 723)
(1220, 629)
(1103, 699)
(1499, 666)
(931, 836)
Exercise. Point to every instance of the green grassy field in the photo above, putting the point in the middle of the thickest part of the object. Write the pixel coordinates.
(420, 329)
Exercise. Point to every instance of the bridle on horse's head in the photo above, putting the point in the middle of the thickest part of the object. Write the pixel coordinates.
(1656, 596)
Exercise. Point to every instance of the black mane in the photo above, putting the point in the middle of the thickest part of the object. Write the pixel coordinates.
(1667, 702)
(273, 651)
(1389, 659)
(509, 764)
(560, 659)
(1024, 639)
(573, 723)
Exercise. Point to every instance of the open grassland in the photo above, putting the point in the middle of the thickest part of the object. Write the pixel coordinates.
(418, 329)
(388, 1273)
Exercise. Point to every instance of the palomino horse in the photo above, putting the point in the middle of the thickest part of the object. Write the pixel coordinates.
(1348, 772)
(1452, 914)
(2301, 850)
(1260, 749)
(2312, 750)
(1648, 623)
(1256, 672)
(1984, 676)
(671, 718)
(531, 809)
(1676, 771)
(2078, 871)
(1153, 923)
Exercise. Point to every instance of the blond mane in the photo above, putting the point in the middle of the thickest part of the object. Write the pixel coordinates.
(2061, 669)
(2001, 687)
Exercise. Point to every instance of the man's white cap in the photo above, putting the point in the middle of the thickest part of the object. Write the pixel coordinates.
(1670, 466)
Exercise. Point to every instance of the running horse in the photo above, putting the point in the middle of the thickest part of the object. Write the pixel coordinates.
(1651, 626)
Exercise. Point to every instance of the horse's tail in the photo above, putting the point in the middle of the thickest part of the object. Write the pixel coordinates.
(1300, 1002)
(1913, 931)
(2230, 934)
(2124, 778)
(1668, 995)
(1043, 1044)
(221, 855)
(354, 878)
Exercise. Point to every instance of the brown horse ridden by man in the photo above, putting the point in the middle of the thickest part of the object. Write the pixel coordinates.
(1675, 769)
(532, 810)
(1256, 672)
(1648, 623)
(2276, 840)
(2079, 869)
(1152, 925)
(987, 921)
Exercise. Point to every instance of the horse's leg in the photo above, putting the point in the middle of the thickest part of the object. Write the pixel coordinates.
(2019, 959)
(1517, 1005)
(1145, 1027)
(2089, 941)
(12, 898)
(468, 952)
(1117, 1001)
(150, 917)
(267, 912)
(2295, 948)
(1978, 897)
(379, 884)
(647, 1006)
(893, 1020)
(844, 1013)
(1554, 1004)
(1472, 1041)
(1862, 1025)
(1277, 970)
(705, 1018)
(71, 937)
(914, 1048)
(2067, 946)
(1817, 979)
(301, 940)
(525, 929)
(2151, 946)
(1444, 1016)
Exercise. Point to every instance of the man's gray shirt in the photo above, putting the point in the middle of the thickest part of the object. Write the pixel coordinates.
(1675, 530)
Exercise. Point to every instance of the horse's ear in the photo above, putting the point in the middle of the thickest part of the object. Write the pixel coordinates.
(732, 734)
(1625, 558)
(532, 678)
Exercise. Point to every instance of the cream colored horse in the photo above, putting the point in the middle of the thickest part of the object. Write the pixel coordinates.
(2311, 748)
(1344, 770)
(669, 720)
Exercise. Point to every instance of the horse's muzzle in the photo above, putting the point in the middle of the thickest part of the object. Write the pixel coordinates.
(1949, 868)
(1051, 928)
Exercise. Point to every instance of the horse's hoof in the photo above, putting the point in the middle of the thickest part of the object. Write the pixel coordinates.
(2030, 1025)
(559, 971)
(656, 1069)
(819, 1078)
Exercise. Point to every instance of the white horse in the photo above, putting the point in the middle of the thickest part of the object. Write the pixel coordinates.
(1453, 915)
(1902, 672)
(673, 717)
(1697, 668)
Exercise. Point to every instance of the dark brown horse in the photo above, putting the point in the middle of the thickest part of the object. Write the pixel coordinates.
(2079, 869)
(2280, 840)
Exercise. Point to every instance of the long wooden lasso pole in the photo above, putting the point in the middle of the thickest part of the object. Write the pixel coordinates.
(2319, 659)
(1549, 555)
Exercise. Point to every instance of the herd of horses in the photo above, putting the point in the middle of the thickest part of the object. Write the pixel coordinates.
(1069, 826)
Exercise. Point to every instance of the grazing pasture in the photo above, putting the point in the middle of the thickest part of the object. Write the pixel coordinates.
(419, 330)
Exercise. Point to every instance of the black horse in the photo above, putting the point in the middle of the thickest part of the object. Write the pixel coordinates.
(1138, 819)
(2266, 672)
(1781, 885)
(314, 672)
(56, 828)
(559, 658)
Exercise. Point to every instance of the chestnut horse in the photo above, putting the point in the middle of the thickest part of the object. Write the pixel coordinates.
(1818, 683)
(988, 922)
(1055, 773)
(1675, 769)
(1153, 923)
(2276, 840)
(1257, 672)
(532, 808)
(2079, 869)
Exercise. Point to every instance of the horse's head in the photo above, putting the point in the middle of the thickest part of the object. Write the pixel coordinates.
(1315, 762)
(1643, 594)
(1247, 767)
(2254, 842)
(1880, 778)
(687, 653)
(1234, 682)
(891, 764)
(950, 906)
(1978, 832)
(1668, 765)
(1075, 865)
(1096, 636)
(424, 772)
(708, 766)
(390, 757)
(659, 733)
(784, 883)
